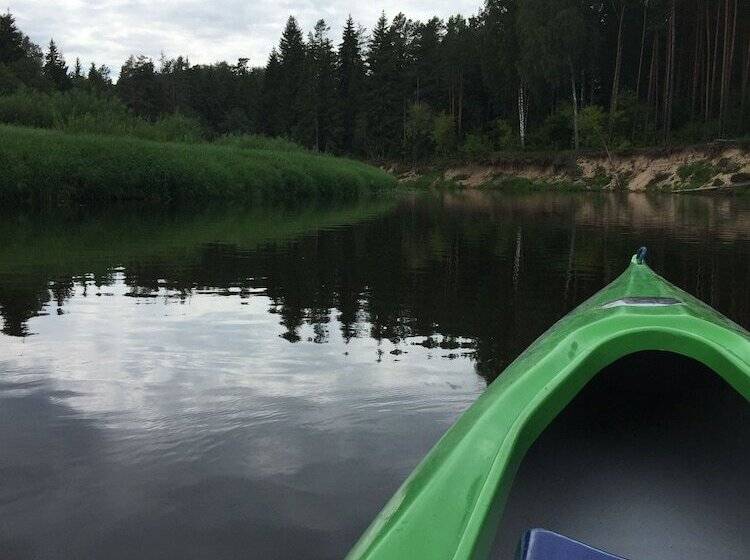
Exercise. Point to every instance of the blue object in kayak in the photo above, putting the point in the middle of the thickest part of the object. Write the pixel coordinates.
(540, 544)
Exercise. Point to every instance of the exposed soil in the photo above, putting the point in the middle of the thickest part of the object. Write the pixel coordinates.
(712, 167)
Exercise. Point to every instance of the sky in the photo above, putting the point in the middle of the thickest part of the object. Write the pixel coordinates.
(108, 31)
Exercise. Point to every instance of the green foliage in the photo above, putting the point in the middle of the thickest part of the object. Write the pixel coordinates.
(81, 111)
(444, 134)
(350, 78)
(259, 142)
(697, 131)
(9, 82)
(55, 70)
(555, 132)
(43, 166)
(476, 146)
(419, 131)
(289, 97)
(20, 58)
(522, 184)
(27, 107)
(627, 122)
(355, 99)
(505, 136)
(694, 175)
(592, 123)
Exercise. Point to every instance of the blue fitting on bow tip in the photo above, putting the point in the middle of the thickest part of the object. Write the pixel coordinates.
(640, 255)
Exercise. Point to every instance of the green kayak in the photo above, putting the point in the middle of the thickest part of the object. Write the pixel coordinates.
(452, 504)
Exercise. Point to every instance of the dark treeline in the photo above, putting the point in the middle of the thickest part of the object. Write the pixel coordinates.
(539, 74)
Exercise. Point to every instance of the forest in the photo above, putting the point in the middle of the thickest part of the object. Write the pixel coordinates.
(518, 75)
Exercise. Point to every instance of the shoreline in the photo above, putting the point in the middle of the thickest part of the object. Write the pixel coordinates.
(718, 167)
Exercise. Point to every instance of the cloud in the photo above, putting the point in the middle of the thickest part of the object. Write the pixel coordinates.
(108, 31)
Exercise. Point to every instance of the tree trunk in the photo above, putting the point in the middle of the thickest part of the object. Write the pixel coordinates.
(730, 64)
(696, 63)
(640, 58)
(317, 134)
(745, 78)
(669, 73)
(714, 63)
(460, 101)
(575, 107)
(707, 73)
(653, 79)
(724, 64)
(521, 115)
(618, 63)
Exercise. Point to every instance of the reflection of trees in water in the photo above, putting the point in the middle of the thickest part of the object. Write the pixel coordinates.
(495, 271)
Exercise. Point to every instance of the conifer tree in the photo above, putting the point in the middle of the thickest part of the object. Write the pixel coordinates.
(292, 71)
(98, 78)
(321, 75)
(77, 78)
(270, 119)
(55, 69)
(11, 40)
(350, 77)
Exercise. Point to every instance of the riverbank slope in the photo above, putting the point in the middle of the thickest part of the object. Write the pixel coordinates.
(719, 166)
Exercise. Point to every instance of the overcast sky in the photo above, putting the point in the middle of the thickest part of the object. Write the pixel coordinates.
(108, 31)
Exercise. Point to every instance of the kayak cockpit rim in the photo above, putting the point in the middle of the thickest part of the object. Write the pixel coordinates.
(477, 538)
(450, 506)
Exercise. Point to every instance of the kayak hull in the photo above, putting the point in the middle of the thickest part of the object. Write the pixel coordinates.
(451, 504)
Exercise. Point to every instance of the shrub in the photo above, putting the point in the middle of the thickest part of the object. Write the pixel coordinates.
(695, 174)
(504, 135)
(419, 131)
(476, 146)
(444, 134)
(82, 111)
(27, 107)
(9, 82)
(556, 132)
(591, 127)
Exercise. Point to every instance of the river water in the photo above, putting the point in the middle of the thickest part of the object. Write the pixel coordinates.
(256, 384)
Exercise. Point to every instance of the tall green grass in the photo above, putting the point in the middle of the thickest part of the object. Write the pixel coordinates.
(44, 166)
(259, 142)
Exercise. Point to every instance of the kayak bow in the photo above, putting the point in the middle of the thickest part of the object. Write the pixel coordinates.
(450, 506)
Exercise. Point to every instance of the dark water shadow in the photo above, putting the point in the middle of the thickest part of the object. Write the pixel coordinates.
(649, 461)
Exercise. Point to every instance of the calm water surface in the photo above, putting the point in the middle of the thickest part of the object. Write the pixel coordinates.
(257, 384)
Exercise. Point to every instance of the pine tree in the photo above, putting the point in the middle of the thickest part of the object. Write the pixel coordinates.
(426, 53)
(270, 118)
(455, 49)
(388, 86)
(55, 69)
(322, 73)
(98, 78)
(77, 79)
(20, 59)
(11, 40)
(350, 77)
(380, 105)
(292, 71)
(139, 88)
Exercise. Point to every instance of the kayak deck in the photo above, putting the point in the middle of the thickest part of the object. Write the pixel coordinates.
(450, 506)
(649, 461)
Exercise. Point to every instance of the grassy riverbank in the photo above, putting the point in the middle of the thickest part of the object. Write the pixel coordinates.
(50, 166)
